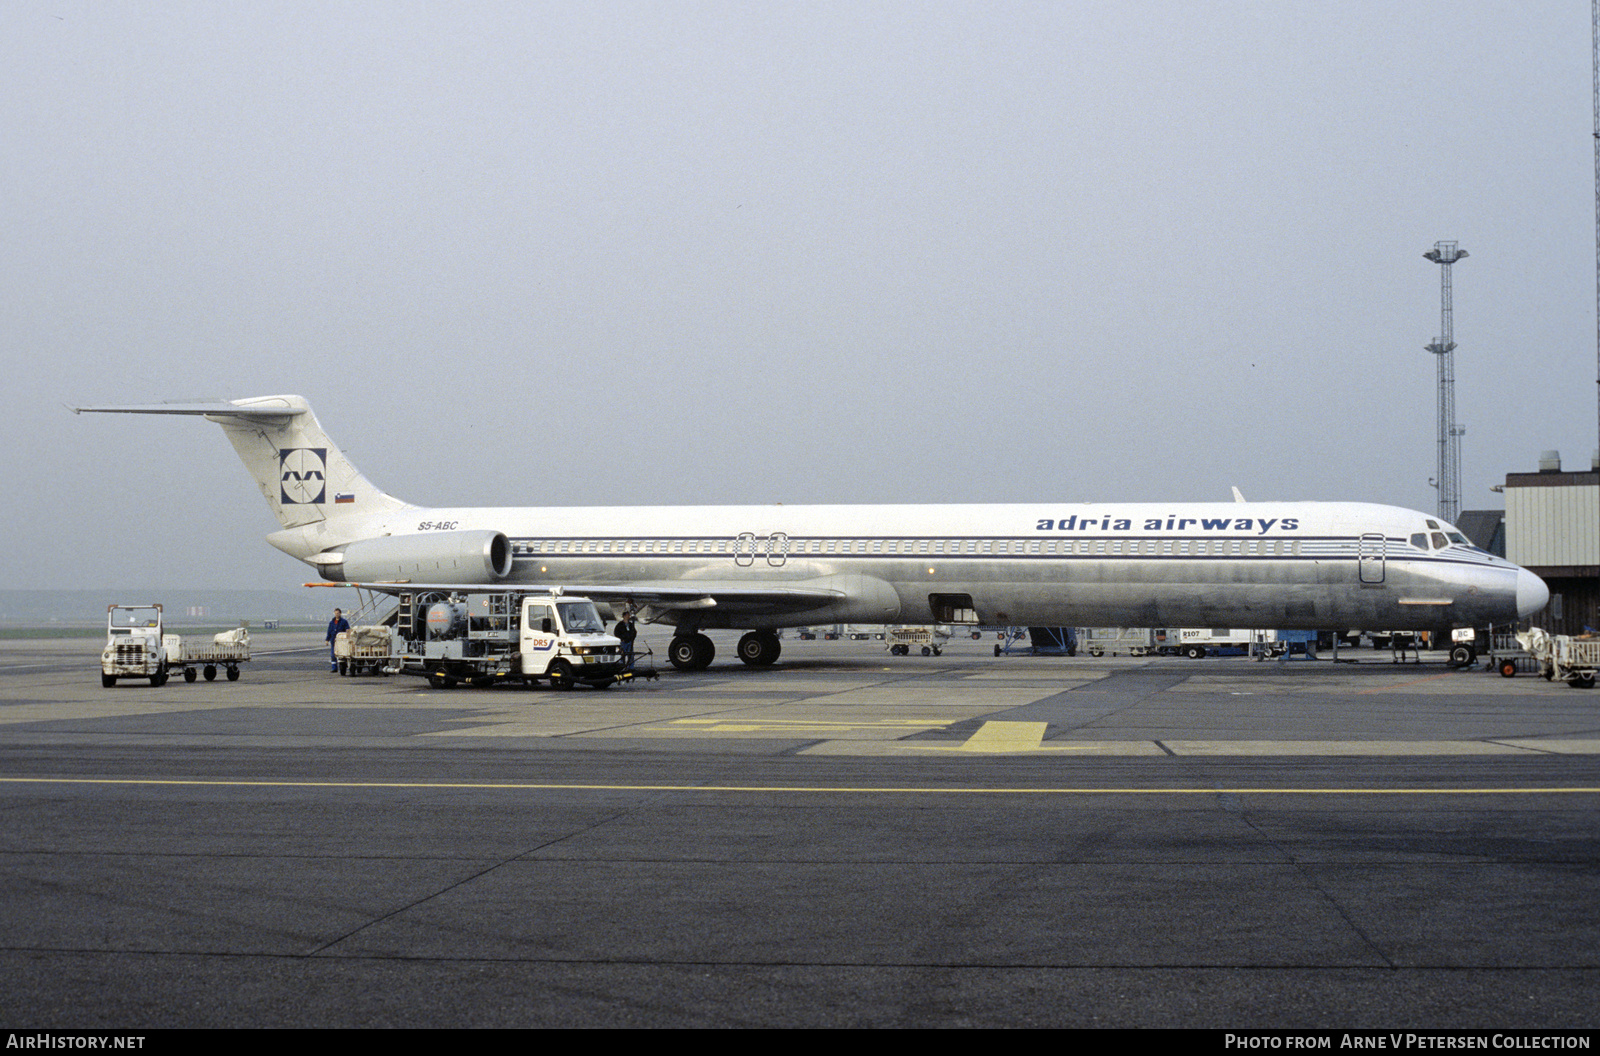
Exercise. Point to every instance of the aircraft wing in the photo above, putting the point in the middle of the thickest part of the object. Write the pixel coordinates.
(654, 601)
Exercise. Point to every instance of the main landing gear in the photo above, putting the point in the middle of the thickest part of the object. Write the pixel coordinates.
(691, 652)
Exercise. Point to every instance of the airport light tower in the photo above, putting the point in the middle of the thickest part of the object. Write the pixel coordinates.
(1448, 481)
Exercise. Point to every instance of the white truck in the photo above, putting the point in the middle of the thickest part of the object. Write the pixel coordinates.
(504, 637)
(136, 647)
(1196, 642)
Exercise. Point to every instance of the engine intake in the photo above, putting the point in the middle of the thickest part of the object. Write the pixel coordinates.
(426, 557)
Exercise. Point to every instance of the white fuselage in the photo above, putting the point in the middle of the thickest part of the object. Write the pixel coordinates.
(1285, 565)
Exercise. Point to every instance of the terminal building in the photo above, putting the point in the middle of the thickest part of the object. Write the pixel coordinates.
(1552, 528)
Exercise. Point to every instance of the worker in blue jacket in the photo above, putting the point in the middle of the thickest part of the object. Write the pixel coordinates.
(335, 625)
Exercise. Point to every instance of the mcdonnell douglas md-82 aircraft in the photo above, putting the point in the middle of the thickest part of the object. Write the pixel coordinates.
(1306, 565)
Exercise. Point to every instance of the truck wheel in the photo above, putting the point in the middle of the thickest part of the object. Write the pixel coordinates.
(190, 674)
(1462, 656)
(926, 651)
(438, 680)
(937, 651)
(604, 683)
(160, 679)
(1508, 669)
(107, 681)
(1582, 682)
(1194, 652)
(561, 674)
(233, 673)
(211, 672)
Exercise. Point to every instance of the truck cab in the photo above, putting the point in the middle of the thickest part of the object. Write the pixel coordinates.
(564, 639)
(134, 646)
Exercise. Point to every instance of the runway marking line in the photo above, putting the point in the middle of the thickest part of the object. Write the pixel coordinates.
(885, 790)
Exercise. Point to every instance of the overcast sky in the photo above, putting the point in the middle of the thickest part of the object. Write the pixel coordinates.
(609, 253)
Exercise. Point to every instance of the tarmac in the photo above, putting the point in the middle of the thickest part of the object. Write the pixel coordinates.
(846, 838)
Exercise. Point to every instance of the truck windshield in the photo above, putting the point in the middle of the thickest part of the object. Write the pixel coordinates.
(125, 619)
(580, 617)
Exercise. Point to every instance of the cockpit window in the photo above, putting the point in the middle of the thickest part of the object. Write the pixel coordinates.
(1420, 540)
(1457, 537)
(1433, 524)
(1439, 541)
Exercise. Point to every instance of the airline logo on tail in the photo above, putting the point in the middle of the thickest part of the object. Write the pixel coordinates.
(302, 475)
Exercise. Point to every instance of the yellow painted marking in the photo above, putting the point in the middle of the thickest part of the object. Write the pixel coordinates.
(1578, 790)
(1006, 737)
(995, 738)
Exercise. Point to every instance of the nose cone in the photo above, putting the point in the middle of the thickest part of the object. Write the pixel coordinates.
(1532, 594)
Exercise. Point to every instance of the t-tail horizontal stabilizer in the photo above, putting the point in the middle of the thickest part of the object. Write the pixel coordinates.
(302, 474)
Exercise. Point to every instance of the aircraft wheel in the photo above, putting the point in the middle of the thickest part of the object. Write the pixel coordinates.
(211, 673)
(1463, 655)
(682, 652)
(758, 648)
(107, 681)
(233, 673)
(1508, 669)
(691, 652)
(561, 674)
(190, 674)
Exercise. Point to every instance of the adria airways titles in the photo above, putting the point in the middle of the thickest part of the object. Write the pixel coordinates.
(758, 568)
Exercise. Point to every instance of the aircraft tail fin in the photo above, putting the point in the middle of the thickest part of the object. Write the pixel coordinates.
(303, 476)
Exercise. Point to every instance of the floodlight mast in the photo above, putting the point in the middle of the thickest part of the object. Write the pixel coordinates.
(1446, 254)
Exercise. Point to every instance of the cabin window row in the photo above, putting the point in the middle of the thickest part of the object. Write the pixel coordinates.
(763, 546)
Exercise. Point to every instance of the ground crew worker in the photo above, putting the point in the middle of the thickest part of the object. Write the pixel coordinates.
(335, 625)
